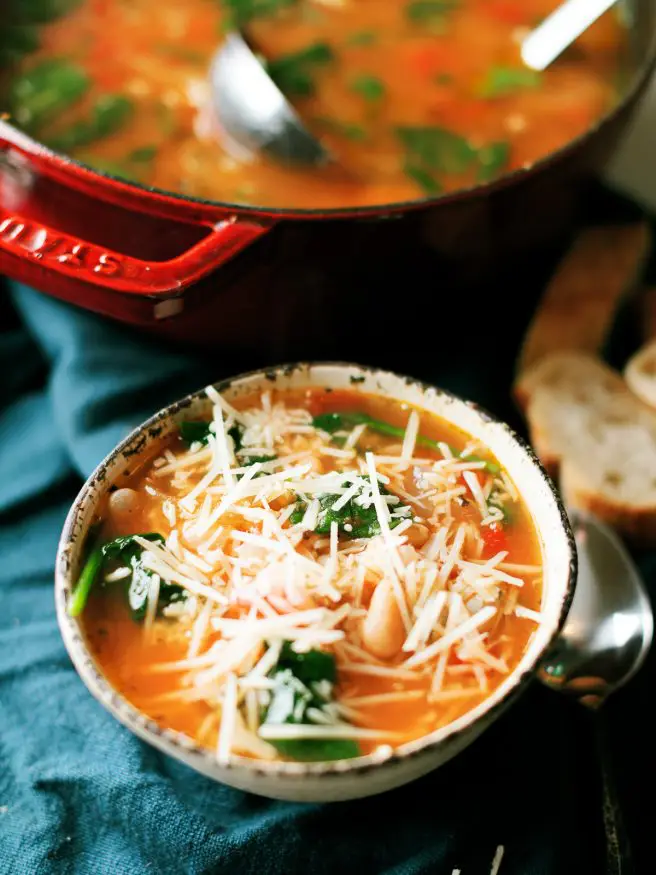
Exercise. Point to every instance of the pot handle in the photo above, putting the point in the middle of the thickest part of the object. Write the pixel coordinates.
(73, 258)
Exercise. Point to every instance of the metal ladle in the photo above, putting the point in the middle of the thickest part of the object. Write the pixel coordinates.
(254, 113)
(606, 638)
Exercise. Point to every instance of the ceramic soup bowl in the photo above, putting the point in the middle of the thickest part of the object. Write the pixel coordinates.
(386, 768)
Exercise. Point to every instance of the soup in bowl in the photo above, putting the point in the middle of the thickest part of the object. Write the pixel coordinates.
(316, 582)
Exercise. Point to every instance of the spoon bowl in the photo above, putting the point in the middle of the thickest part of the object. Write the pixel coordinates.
(605, 640)
(610, 625)
(254, 115)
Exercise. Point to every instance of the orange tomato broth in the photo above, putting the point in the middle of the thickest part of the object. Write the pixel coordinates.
(392, 66)
(126, 654)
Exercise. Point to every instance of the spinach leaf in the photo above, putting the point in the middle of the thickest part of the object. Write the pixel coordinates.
(310, 667)
(40, 94)
(194, 431)
(333, 422)
(430, 13)
(125, 552)
(493, 160)
(501, 81)
(369, 87)
(16, 41)
(108, 115)
(434, 151)
(241, 12)
(295, 677)
(423, 178)
(294, 73)
(198, 431)
(437, 149)
(353, 519)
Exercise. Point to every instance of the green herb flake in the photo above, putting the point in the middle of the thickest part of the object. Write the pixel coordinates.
(433, 152)
(502, 81)
(425, 180)
(493, 160)
(294, 73)
(431, 13)
(108, 115)
(38, 95)
(435, 148)
(368, 87)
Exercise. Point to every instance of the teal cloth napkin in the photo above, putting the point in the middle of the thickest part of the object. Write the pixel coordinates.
(80, 794)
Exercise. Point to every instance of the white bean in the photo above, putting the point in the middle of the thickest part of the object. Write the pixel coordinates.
(123, 502)
(383, 632)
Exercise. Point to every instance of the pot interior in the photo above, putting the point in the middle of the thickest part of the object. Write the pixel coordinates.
(324, 197)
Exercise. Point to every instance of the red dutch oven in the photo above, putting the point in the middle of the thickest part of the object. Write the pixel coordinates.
(216, 273)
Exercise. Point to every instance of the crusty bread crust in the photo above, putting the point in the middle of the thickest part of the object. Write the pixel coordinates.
(579, 305)
(637, 524)
(590, 430)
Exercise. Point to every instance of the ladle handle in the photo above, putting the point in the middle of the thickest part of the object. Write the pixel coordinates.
(560, 29)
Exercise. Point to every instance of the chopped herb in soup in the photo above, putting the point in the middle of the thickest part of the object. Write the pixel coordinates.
(413, 97)
(322, 573)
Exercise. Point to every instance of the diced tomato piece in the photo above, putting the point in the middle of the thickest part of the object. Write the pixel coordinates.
(315, 401)
(431, 57)
(495, 539)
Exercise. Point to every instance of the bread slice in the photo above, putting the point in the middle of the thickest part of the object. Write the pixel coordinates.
(589, 429)
(640, 374)
(578, 307)
(577, 376)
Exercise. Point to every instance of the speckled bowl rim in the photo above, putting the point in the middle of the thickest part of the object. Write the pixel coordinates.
(203, 759)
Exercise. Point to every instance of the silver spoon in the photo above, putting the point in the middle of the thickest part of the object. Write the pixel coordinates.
(606, 638)
(252, 111)
(560, 29)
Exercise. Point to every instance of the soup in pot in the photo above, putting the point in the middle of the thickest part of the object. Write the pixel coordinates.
(413, 97)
